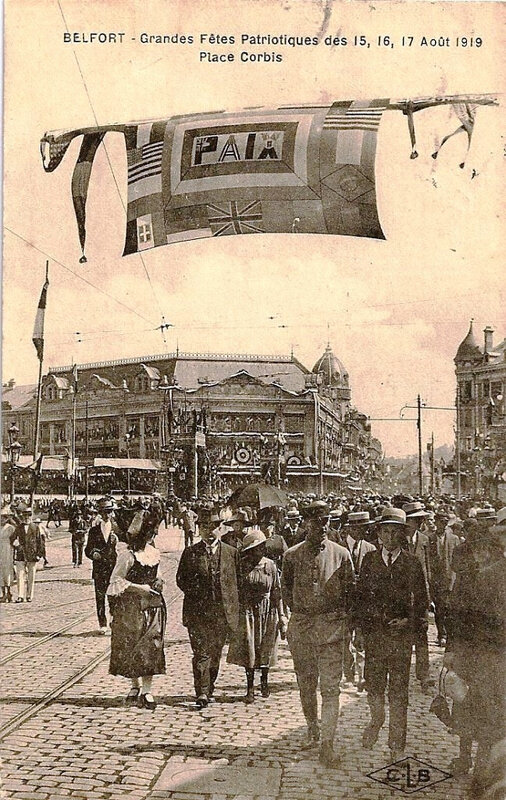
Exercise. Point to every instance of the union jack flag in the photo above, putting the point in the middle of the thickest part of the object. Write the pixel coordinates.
(235, 218)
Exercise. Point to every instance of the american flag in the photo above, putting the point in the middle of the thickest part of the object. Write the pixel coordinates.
(235, 219)
(352, 119)
(145, 161)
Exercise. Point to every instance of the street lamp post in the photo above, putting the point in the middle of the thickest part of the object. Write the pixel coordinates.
(14, 453)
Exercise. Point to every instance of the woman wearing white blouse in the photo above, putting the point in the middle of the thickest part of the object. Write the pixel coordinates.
(139, 617)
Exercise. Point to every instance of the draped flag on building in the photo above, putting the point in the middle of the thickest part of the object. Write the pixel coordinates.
(38, 328)
(291, 169)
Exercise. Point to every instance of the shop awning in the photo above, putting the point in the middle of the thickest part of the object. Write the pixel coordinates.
(128, 463)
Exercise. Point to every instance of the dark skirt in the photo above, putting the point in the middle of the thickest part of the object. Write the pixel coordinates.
(137, 631)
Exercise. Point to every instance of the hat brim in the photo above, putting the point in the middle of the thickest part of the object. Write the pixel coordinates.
(391, 522)
(364, 523)
(252, 546)
(417, 514)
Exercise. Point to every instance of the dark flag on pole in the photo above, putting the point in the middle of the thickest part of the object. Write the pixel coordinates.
(38, 328)
(74, 378)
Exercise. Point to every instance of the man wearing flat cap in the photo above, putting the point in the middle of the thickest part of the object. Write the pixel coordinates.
(208, 575)
(391, 603)
(101, 550)
(317, 583)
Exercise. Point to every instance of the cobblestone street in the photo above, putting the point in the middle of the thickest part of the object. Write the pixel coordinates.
(65, 732)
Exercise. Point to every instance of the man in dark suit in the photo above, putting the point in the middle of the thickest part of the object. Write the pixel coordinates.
(442, 578)
(27, 539)
(391, 603)
(101, 550)
(417, 543)
(208, 574)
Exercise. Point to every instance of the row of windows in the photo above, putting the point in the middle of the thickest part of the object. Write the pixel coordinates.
(141, 384)
(482, 389)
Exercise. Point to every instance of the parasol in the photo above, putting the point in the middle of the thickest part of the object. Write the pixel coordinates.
(258, 495)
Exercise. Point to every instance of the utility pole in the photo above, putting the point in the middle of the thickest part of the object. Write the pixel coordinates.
(457, 445)
(432, 474)
(86, 450)
(419, 426)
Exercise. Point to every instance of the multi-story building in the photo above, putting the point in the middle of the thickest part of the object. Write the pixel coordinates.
(213, 420)
(481, 440)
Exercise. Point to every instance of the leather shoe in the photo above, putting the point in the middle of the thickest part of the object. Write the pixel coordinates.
(327, 757)
(148, 701)
(313, 736)
(250, 696)
(370, 737)
(460, 766)
(202, 701)
(132, 695)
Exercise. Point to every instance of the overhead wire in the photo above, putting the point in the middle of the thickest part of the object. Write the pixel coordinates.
(76, 274)
(162, 327)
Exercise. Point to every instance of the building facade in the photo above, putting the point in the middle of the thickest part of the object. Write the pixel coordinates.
(481, 423)
(212, 420)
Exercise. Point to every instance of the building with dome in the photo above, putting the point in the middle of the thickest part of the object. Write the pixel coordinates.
(211, 421)
(481, 441)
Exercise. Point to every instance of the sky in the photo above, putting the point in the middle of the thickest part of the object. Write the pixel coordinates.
(394, 311)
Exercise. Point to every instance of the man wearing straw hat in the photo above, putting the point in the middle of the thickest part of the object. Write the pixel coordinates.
(28, 549)
(391, 603)
(101, 550)
(317, 583)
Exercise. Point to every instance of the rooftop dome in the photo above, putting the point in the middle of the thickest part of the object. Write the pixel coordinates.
(334, 371)
(468, 348)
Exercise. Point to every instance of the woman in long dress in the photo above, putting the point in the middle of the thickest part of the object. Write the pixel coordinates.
(139, 617)
(254, 645)
(6, 558)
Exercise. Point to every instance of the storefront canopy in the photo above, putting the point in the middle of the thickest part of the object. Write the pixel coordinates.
(128, 463)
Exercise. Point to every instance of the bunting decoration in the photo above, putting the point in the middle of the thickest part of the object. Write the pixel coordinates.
(291, 169)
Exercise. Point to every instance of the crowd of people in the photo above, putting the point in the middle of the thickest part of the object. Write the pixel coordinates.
(349, 582)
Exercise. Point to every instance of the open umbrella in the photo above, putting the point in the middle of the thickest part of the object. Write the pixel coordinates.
(258, 495)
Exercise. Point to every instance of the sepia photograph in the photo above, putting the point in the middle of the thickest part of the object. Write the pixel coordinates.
(253, 535)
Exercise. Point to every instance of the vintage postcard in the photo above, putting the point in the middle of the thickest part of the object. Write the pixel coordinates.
(253, 414)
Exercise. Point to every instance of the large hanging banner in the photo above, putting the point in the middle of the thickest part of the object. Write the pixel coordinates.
(292, 169)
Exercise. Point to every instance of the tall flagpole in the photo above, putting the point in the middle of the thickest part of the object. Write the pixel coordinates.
(39, 397)
(39, 393)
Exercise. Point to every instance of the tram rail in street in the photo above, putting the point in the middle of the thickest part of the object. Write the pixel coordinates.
(15, 722)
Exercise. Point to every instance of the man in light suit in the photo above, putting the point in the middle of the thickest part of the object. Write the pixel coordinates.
(317, 585)
(208, 575)
(442, 577)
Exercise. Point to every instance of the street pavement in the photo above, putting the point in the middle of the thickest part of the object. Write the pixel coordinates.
(66, 733)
